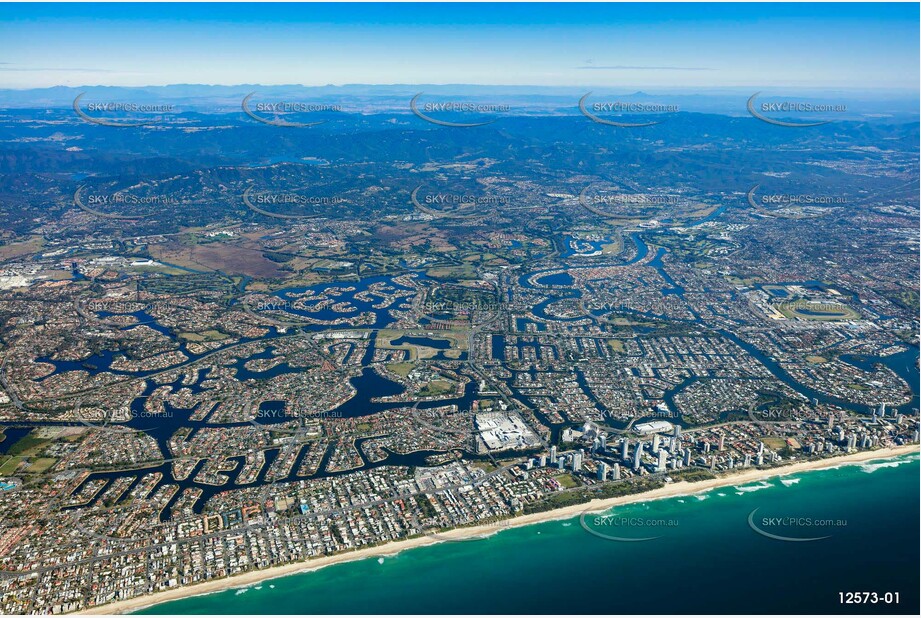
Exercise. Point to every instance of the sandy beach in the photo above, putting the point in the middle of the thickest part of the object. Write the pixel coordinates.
(671, 490)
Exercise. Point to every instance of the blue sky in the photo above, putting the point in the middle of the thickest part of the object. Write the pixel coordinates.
(858, 46)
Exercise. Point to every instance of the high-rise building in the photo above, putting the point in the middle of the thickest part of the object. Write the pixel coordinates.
(561, 463)
(602, 471)
(687, 457)
(625, 454)
(661, 464)
(677, 431)
(638, 456)
(722, 441)
(748, 460)
(577, 461)
(603, 441)
(882, 409)
(655, 444)
(616, 472)
(831, 421)
(553, 453)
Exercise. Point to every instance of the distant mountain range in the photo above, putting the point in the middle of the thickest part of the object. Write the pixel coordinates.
(522, 100)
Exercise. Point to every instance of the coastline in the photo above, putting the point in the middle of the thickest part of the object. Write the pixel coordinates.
(680, 488)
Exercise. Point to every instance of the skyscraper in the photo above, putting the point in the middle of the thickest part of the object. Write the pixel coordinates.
(638, 456)
(602, 471)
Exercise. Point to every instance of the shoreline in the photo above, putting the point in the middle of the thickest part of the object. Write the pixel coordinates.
(671, 490)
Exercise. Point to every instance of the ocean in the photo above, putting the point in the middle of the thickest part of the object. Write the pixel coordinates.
(709, 553)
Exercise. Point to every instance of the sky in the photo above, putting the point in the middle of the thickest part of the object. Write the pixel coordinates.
(657, 45)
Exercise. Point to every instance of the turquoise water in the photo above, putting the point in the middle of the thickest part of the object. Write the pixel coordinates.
(706, 559)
